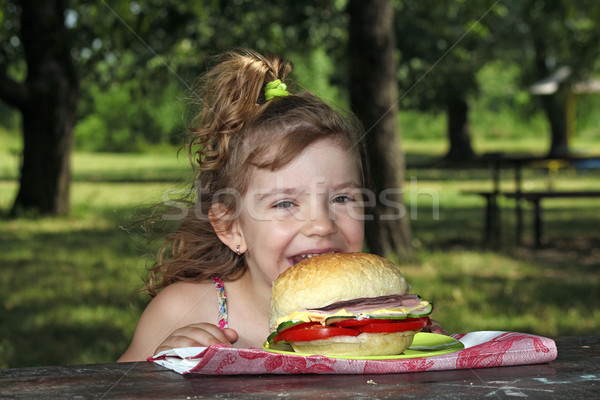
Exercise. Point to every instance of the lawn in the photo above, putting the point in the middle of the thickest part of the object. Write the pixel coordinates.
(70, 283)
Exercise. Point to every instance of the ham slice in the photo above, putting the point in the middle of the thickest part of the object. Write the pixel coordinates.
(362, 305)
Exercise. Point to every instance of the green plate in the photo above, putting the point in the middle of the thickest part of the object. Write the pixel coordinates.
(423, 345)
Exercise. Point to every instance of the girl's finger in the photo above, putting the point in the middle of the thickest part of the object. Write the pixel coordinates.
(196, 335)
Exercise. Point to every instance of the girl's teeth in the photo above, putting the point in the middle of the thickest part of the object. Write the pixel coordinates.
(305, 256)
(312, 255)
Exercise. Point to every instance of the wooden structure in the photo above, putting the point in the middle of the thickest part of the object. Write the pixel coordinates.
(496, 163)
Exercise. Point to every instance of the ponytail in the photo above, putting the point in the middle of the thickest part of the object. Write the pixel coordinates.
(230, 96)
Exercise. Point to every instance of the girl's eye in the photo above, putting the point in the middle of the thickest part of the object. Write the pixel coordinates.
(284, 204)
(342, 199)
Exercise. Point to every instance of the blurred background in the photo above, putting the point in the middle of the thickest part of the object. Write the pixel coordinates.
(93, 109)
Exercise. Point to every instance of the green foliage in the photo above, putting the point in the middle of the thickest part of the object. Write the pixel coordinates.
(551, 34)
(441, 49)
(502, 116)
(502, 109)
(137, 58)
(422, 126)
(10, 141)
(9, 118)
(587, 121)
(314, 72)
(125, 120)
(499, 87)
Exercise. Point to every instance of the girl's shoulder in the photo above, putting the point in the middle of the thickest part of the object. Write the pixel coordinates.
(182, 297)
(186, 290)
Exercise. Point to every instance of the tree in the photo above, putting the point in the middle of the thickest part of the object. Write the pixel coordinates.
(442, 48)
(373, 97)
(47, 101)
(553, 35)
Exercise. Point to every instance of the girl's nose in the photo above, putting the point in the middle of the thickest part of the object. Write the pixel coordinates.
(320, 223)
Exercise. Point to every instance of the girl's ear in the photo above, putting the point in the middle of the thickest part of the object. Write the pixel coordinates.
(227, 229)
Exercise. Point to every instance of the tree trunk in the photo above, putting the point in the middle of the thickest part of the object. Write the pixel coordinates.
(459, 137)
(555, 108)
(555, 104)
(373, 95)
(48, 107)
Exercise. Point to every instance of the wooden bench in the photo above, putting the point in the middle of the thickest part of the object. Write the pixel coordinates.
(536, 197)
(492, 213)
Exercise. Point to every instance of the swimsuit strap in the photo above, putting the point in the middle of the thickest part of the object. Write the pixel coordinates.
(222, 298)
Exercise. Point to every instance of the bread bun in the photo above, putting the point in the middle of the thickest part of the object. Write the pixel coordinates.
(329, 278)
(363, 345)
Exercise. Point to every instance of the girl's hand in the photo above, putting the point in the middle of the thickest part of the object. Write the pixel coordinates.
(435, 327)
(202, 334)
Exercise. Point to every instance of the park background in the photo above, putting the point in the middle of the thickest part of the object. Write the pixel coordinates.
(69, 282)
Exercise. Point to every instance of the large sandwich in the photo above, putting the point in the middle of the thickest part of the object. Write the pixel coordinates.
(345, 304)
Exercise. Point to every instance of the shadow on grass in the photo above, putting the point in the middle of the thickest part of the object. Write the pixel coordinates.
(69, 296)
(58, 342)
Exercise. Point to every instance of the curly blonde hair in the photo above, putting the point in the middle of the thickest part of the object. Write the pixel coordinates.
(234, 130)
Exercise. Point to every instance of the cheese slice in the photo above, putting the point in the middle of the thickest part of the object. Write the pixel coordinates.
(316, 316)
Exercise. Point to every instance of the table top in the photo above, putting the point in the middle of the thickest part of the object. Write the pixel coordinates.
(516, 159)
(513, 160)
(574, 374)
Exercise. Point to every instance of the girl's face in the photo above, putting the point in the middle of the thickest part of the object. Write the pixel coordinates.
(311, 206)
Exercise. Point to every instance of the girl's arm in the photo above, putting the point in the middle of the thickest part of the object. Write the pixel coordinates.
(181, 315)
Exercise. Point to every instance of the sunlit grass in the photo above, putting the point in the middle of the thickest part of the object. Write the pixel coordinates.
(114, 167)
(136, 167)
(488, 290)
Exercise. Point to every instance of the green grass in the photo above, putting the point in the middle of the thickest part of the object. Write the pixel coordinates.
(69, 283)
(111, 167)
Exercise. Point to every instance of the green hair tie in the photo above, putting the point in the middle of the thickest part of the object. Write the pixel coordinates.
(275, 89)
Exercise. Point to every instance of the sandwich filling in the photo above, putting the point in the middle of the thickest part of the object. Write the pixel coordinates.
(385, 314)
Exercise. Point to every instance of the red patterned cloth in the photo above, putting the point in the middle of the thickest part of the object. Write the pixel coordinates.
(482, 350)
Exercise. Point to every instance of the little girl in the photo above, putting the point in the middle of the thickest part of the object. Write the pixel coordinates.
(279, 179)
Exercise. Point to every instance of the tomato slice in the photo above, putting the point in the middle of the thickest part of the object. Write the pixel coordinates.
(414, 324)
(314, 332)
(307, 331)
(284, 326)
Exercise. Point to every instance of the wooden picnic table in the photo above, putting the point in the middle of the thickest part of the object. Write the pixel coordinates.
(498, 161)
(574, 374)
